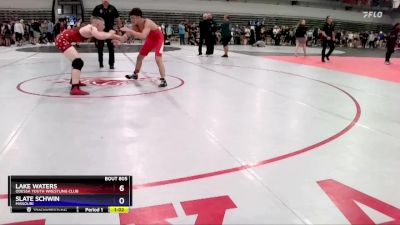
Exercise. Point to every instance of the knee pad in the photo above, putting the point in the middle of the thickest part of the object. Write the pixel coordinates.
(77, 64)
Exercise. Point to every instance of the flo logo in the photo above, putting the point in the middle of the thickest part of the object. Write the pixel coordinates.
(373, 14)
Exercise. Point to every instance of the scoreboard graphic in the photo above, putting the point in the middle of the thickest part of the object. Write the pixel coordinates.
(69, 194)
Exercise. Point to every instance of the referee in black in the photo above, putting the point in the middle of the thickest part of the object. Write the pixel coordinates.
(391, 42)
(109, 13)
(203, 25)
(328, 38)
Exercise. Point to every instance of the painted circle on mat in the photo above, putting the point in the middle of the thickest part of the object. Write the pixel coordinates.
(109, 86)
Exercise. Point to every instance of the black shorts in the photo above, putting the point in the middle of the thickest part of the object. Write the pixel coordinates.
(225, 40)
(18, 36)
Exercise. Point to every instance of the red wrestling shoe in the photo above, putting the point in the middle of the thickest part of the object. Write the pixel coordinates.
(77, 91)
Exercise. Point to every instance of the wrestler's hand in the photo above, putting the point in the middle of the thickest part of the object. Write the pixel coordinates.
(116, 42)
(112, 32)
(125, 29)
(122, 38)
(117, 37)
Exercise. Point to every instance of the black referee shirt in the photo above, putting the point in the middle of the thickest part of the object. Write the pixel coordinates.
(392, 37)
(109, 15)
(328, 29)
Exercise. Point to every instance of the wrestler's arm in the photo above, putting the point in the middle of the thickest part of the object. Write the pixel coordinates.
(142, 35)
(138, 35)
(128, 33)
(99, 35)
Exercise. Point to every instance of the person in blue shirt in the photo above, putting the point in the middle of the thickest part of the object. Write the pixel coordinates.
(181, 31)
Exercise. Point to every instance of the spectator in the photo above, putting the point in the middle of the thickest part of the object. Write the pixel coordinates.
(50, 31)
(371, 40)
(301, 31)
(1, 35)
(181, 32)
(316, 36)
(226, 35)
(36, 31)
(381, 38)
(7, 35)
(364, 39)
(169, 32)
(19, 32)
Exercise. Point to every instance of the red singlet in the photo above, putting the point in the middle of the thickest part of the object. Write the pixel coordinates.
(155, 40)
(64, 40)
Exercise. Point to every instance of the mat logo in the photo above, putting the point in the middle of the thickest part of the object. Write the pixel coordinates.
(208, 211)
(349, 200)
(373, 14)
(96, 82)
(203, 211)
(101, 82)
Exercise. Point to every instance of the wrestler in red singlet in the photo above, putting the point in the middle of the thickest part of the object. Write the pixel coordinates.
(66, 38)
(146, 29)
(155, 40)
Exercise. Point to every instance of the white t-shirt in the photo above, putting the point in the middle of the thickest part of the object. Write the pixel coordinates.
(18, 28)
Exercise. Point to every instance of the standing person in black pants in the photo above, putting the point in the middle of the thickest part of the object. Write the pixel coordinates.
(391, 42)
(203, 25)
(210, 36)
(328, 38)
(109, 13)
